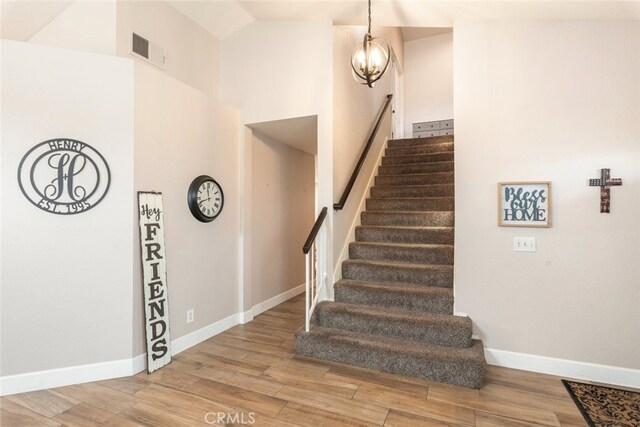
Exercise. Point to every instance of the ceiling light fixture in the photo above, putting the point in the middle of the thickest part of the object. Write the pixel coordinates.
(370, 59)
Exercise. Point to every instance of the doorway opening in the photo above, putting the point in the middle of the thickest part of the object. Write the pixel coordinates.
(280, 201)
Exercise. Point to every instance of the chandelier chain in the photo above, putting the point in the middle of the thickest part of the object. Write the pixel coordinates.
(370, 59)
(369, 17)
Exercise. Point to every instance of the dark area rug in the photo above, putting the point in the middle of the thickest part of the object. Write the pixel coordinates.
(605, 406)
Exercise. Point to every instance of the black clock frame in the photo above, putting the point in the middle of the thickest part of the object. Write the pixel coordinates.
(192, 198)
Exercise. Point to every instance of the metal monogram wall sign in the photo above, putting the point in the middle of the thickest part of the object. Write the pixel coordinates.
(64, 176)
(154, 280)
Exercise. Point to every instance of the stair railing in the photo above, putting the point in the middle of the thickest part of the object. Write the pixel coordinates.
(315, 251)
(315, 246)
(372, 136)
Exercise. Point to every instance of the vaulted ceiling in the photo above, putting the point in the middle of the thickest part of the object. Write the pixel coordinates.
(223, 18)
(22, 19)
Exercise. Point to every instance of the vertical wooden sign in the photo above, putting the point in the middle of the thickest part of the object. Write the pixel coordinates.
(154, 280)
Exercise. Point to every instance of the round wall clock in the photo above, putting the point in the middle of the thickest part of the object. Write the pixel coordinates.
(205, 198)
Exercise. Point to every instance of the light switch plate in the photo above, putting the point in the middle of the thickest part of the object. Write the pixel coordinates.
(524, 244)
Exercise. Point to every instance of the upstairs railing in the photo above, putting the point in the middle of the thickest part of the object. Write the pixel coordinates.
(315, 251)
(372, 136)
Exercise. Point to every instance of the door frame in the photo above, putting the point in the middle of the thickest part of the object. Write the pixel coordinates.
(397, 102)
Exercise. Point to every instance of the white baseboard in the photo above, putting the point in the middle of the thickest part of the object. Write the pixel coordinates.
(40, 380)
(139, 363)
(278, 299)
(564, 368)
(51, 378)
(196, 337)
(247, 316)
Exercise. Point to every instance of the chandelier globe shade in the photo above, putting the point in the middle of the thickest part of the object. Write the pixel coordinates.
(370, 59)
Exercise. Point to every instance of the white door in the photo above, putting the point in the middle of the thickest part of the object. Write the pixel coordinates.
(397, 102)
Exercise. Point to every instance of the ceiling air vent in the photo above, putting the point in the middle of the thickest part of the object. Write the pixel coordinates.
(143, 48)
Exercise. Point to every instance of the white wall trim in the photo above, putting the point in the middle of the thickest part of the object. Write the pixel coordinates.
(246, 316)
(278, 299)
(351, 237)
(139, 363)
(565, 368)
(51, 378)
(196, 337)
(40, 380)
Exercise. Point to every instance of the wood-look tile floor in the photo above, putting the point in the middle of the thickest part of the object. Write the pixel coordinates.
(251, 374)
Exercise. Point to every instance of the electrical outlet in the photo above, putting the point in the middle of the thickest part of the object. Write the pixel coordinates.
(190, 315)
(524, 244)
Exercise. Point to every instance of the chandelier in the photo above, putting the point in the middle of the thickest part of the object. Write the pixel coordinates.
(370, 59)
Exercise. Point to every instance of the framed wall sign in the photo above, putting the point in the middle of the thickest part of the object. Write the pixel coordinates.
(154, 280)
(524, 204)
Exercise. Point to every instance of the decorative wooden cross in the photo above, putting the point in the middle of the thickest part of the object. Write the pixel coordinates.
(605, 182)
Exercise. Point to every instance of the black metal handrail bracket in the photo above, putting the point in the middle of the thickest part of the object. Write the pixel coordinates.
(314, 231)
(338, 206)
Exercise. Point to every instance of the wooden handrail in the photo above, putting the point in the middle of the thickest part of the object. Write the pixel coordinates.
(338, 206)
(314, 231)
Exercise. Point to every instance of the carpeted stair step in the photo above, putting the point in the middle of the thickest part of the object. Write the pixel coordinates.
(387, 271)
(408, 218)
(418, 158)
(419, 149)
(411, 204)
(415, 179)
(416, 168)
(395, 295)
(458, 366)
(438, 329)
(402, 252)
(410, 142)
(393, 308)
(431, 190)
(374, 233)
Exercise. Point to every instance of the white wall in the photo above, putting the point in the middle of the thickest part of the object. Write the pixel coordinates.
(428, 80)
(84, 25)
(550, 101)
(274, 70)
(192, 53)
(355, 108)
(283, 205)
(181, 133)
(48, 258)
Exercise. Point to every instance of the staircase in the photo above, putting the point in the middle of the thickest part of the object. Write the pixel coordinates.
(393, 308)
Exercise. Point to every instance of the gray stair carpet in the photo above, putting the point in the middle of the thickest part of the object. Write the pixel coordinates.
(393, 308)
